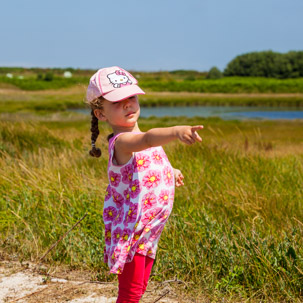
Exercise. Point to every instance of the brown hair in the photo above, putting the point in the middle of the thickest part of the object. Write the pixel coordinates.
(95, 104)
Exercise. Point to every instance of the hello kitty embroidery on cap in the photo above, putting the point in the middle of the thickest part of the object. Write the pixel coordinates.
(119, 79)
(114, 84)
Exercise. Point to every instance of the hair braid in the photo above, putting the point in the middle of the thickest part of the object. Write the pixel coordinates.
(94, 152)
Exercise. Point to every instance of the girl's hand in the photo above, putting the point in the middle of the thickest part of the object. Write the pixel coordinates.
(178, 177)
(188, 134)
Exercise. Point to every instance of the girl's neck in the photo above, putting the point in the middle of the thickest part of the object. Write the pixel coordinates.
(120, 129)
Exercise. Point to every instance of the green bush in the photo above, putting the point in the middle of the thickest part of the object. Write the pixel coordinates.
(49, 76)
(267, 64)
(39, 76)
(214, 73)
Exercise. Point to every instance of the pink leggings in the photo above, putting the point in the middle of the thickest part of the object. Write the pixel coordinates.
(134, 278)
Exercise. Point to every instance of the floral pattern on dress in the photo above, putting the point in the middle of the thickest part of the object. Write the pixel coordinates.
(164, 215)
(148, 201)
(157, 157)
(147, 228)
(134, 188)
(168, 176)
(125, 235)
(171, 198)
(108, 193)
(137, 204)
(164, 196)
(127, 173)
(117, 235)
(156, 233)
(149, 252)
(114, 178)
(109, 213)
(136, 237)
(142, 162)
(126, 194)
(115, 251)
(119, 217)
(152, 179)
(126, 249)
(142, 245)
(150, 215)
(131, 214)
(117, 198)
(108, 234)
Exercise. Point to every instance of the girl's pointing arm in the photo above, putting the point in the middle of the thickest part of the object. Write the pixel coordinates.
(130, 142)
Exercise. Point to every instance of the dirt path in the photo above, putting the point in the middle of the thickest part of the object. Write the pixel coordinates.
(80, 90)
(24, 283)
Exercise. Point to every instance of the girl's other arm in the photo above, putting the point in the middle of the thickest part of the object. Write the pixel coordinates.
(178, 177)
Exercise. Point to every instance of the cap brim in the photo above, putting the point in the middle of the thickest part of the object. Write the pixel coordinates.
(123, 93)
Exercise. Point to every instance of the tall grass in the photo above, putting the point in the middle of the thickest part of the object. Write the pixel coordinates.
(236, 227)
(228, 85)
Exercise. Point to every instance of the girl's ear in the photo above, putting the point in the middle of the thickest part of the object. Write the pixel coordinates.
(98, 113)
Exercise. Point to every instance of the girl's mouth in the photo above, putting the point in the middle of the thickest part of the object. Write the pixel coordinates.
(129, 114)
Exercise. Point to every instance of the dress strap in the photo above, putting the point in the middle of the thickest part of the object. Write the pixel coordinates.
(111, 145)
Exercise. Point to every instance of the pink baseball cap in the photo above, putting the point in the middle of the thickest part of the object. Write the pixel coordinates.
(114, 84)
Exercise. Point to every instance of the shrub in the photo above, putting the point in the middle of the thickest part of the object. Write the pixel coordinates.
(49, 76)
(267, 64)
(39, 77)
(214, 73)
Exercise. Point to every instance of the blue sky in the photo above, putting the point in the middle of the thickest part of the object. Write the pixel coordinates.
(145, 35)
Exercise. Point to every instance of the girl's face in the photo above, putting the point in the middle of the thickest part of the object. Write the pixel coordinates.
(123, 113)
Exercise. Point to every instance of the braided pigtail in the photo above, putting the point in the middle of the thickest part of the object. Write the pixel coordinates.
(94, 152)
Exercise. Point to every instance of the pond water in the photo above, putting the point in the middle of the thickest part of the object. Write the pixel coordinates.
(224, 112)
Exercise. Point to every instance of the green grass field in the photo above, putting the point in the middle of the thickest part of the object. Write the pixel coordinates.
(33, 93)
(186, 81)
(236, 227)
(15, 100)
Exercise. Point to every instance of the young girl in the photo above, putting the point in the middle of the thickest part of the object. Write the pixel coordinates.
(140, 194)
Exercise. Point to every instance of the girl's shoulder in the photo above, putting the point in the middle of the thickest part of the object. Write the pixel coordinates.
(112, 140)
(113, 161)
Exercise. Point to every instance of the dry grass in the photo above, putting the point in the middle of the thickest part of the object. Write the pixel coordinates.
(236, 228)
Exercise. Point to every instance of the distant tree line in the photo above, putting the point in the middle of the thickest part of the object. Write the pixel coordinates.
(267, 64)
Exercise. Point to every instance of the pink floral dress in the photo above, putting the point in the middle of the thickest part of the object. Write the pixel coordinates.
(138, 202)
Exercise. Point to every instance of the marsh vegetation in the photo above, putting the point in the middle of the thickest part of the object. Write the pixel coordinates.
(237, 224)
(236, 228)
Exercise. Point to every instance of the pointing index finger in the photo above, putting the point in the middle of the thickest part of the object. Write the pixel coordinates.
(197, 127)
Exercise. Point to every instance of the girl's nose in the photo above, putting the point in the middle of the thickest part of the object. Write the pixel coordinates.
(126, 102)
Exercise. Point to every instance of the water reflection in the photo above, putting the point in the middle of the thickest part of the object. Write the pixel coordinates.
(224, 112)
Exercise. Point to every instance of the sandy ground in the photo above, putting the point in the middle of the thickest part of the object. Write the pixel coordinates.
(25, 283)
